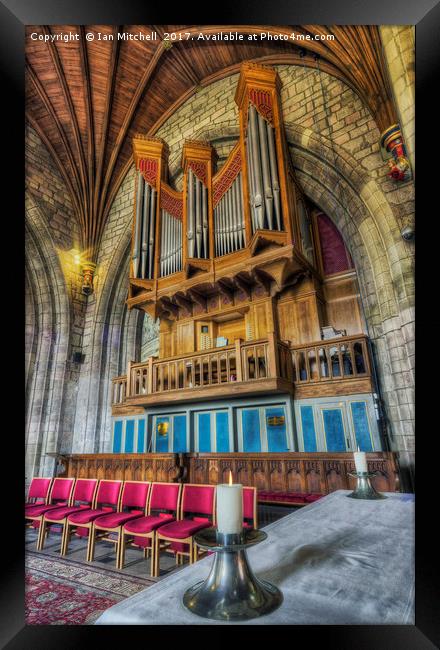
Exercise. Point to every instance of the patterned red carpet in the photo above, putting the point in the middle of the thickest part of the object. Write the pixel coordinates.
(65, 592)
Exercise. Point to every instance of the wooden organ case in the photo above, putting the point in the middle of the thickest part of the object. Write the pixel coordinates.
(232, 268)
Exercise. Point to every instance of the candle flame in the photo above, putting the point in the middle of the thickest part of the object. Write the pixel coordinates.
(230, 477)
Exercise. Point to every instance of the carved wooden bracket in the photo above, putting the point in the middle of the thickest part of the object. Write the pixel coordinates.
(244, 285)
(183, 302)
(198, 298)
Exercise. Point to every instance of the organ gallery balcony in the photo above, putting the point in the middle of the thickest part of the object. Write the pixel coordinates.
(244, 368)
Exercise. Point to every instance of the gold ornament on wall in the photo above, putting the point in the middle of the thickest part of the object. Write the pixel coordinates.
(162, 428)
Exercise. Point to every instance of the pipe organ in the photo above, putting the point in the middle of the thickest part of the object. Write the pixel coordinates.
(232, 266)
(229, 221)
(218, 212)
(262, 173)
(171, 214)
(144, 229)
(197, 211)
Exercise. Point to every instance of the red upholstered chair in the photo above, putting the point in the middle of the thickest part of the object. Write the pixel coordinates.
(83, 498)
(134, 503)
(38, 492)
(60, 495)
(163, 508)
(196, 500)
(250, 508)
(250, 519)
(107, 500)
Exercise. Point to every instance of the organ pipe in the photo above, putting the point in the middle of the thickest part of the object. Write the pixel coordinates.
(274, 174)
(198, 225)
(190, 214)
(152, 233)
(198, 218)
(268, 196)
(171, 244)
(205, 220)
(145, 224)
(262, 173)
(251, 184)
(145, 220)
(138, 225)
(256, 166)
(229, 220)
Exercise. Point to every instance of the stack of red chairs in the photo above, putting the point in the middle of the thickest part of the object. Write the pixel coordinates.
(178, 535)
(107, 500)
(163, 508)
(109, 527)
(83, 497)
(152, 516)
(60, 494)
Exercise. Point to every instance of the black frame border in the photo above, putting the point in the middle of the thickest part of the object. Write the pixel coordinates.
(425, 15)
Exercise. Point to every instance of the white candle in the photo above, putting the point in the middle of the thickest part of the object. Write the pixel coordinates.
(230, 507)
(360, 460)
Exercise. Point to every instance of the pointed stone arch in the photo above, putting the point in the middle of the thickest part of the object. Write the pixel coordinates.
(47, 297)
(369, 225)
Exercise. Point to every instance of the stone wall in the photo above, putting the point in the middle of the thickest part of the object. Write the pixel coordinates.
(54, 309)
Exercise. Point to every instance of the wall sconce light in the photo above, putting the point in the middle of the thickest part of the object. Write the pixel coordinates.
(88, 269)
(394, 152)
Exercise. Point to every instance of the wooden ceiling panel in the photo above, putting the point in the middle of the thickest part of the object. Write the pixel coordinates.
(87, 99)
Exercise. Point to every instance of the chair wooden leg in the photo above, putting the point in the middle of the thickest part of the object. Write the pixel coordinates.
(152, 554)
(195, 552)
(118, 549)
(91, 544)
(67, 535)
(122, 550)
(63, 537)
(41, 534)
(156, 563)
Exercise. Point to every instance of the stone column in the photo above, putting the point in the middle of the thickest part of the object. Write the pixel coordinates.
(399, 50)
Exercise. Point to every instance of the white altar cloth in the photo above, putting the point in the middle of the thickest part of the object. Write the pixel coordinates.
(338, 561)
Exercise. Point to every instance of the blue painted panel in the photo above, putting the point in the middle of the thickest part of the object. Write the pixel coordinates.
(334, 429)
(222, 427)
(276, 434)
(361, 427)
(129, 436)
(117, 437)
(204, 431)
(251, 430)
(308, 428)
(141, 436)
(162, 441)
(179, 429)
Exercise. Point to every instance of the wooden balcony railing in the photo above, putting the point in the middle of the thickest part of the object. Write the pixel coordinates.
(247, 361)
(337, 359)
(119, 389)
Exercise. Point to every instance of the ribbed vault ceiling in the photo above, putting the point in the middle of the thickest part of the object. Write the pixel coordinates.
(87, 99)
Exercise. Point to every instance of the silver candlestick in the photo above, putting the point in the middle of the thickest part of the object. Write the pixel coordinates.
(364, 489)
(231, 592)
